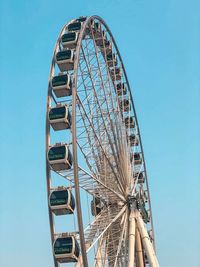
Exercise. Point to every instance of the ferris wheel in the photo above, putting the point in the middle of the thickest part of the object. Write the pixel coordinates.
(98, 196)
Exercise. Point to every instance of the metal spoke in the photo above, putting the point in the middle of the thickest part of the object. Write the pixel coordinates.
(99, 107)
(93, 185)
(101, 224)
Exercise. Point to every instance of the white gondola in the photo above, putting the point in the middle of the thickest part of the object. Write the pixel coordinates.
(140, 177)
(81, 19)
(125, 105)
(65, 60)
(116, 74)
(62, 85)
(66, 249)
(69, 40)
(60, 157)
(75, 26)
(111, 59)
(106, 47)
(143, 194)
(88, 27)
(96, 206)
(61, 201)
(133, 140)
(121, 89)
(137, 158)
(60, 117)
(129, 122)
(97, 32)
(100, 39)
(143, 211)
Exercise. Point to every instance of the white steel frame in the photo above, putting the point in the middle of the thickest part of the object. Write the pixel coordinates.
(101, 149)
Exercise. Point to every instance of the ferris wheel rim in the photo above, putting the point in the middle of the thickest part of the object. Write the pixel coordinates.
(47, 141)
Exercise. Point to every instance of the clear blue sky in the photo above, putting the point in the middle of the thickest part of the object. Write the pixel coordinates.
(160, 44)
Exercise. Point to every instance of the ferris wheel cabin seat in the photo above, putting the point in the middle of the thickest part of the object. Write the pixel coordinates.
(60, 157)
(62, 85)
(60, 117)
(62, 201)
(66, 249)
(65, 60)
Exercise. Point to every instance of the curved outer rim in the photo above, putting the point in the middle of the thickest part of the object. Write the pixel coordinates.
(74, 93)
(47, 138)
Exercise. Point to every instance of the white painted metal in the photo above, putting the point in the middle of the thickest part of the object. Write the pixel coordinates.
(131, 238)
(146, 242)
(138, 249)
